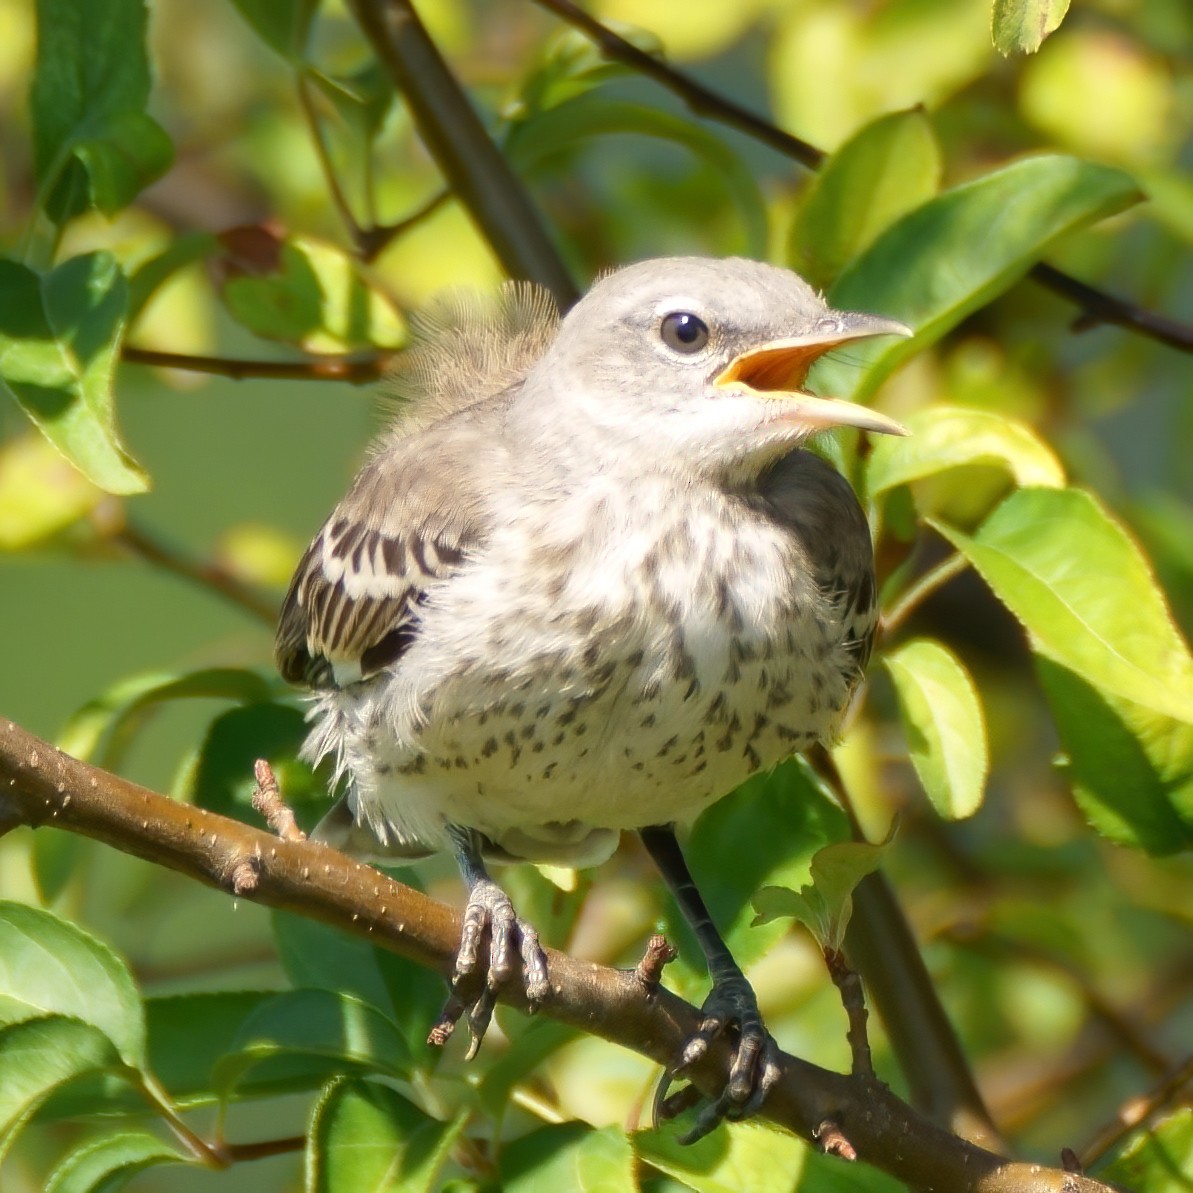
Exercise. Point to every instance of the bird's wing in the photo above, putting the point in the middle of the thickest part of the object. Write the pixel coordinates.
(354, 603)
(813, 500)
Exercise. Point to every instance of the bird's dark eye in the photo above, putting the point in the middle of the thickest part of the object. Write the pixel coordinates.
(684, 332)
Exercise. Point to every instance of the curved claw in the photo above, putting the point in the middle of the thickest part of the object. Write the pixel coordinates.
(513, 945)
(731, 1005)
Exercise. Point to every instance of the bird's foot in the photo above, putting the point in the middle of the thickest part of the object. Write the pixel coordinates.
(513, 944)
(731, 1007)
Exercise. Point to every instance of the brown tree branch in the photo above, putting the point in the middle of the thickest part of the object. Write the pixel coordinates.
(1096, 306)
(471, 163)
(40, 786)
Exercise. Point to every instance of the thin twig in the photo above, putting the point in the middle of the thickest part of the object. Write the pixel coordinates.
(849, 985)
(374, 241)
(1097, 306)
(330, 176)
(699, 99)
(144, 546)
(472, 165)
(929, 583)
(1136, 1111)
(356, 370)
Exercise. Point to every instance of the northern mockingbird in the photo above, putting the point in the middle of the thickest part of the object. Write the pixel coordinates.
(589, 582)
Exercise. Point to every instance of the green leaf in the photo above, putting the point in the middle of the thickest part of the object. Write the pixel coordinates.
(108, 1163)
(1158, 1159)
(571, 1156)
(825, 905)
(362, 100)
(283, 25)
(59, 335)
(558, 129)
(572, 64)
(410, 995)
(746, 1156)
(943, 724)
(298, 1038)
(1085, 594)
(960, 250)
(40, 493)
(38, 1056)
(221, 777)
(889, 167)
(944, 437)
(49, 966)
(368, 1138)
(1022, 25)
(764, 832)
(123, 159)
(101, 729)
(93, 143)
(305, 292)
(1131, 768)
(188, 1033)
(149, 277)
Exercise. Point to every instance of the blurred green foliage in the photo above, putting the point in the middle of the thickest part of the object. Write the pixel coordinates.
(233, 181)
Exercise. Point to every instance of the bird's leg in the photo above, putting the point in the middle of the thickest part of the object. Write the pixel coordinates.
(730, 1004)
(513, 943)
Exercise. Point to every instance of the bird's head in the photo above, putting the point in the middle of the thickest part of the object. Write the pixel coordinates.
(703, 361)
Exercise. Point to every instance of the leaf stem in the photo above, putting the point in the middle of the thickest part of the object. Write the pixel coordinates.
(210, 576)
(932, 580)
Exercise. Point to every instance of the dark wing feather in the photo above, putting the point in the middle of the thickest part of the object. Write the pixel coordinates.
(354, 603)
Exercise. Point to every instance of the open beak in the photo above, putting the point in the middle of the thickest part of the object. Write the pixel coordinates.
(779, 369)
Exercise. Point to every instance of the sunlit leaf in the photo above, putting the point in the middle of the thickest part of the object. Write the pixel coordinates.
(882, 172)
(107, 1163)
(958, 251)
(59, 335)
(40, 493)
(943, 724)
(1085, 594)
(303, 292)
(572, 1156)
(749, 1156)
(49, 966)
(1157, 1159)
(825, 905)
(943, 437)
(1022, 25)
(368, 1138)
(93, 142)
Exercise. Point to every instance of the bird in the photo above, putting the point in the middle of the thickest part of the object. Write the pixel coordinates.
(588, 582)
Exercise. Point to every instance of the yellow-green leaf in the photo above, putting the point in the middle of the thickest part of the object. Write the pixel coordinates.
(943, 437)
(943, 723)
(882, 172)
(1085, 594)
